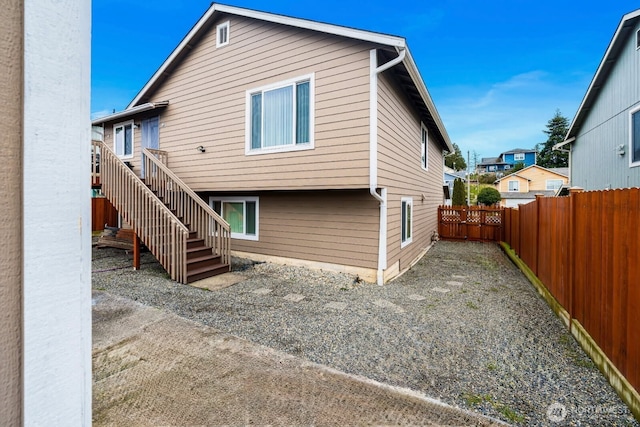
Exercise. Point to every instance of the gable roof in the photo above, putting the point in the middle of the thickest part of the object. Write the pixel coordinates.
(519, 150)
(556, 171)
(408, 74)
(620, 37)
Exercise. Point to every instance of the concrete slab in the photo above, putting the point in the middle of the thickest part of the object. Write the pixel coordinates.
(441, 290)
(416, 297)
(220, 281)
(454, 283)
(294, 297)
(262, 291)
(388, 305)
(336, 305)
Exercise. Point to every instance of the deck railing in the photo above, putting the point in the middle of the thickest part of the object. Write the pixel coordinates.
(195, 213)
(158, 228)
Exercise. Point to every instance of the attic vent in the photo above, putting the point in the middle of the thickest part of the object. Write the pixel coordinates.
(222, 34)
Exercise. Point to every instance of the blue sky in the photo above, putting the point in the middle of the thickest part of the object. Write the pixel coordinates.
(497, 70)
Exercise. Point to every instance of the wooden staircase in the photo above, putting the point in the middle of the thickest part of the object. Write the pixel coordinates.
(189, 239)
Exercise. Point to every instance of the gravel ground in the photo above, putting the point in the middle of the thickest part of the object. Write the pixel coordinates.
(463, 325)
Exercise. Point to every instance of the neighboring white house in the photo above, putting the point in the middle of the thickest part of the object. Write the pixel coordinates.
(604, 137)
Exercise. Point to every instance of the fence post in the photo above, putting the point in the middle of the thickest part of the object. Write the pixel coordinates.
(572, 260)
(538, 203)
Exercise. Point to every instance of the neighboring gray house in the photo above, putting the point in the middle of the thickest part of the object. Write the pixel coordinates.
(604, 137)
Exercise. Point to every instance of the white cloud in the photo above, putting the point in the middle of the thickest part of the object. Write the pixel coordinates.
(508, 114)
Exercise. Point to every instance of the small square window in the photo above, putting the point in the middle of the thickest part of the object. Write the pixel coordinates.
(222, 34)
(518, 156)
(514, 186)
(241, 213)
(553, 184)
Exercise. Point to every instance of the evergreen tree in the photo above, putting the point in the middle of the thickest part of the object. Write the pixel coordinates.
(459, 193)
(557, 128)
(455, 161)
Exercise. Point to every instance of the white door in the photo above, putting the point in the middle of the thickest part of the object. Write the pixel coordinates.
(150, 138)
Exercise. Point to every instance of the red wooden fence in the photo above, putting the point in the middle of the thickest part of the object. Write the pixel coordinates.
(586, 250)
(477, 223)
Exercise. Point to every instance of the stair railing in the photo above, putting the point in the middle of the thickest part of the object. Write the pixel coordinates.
(153, 222)
(194, 211)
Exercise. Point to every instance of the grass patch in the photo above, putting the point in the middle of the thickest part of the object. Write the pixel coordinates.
(479, 399)
(472, 305)
(570, 352)
(494, 289)
(492, 366)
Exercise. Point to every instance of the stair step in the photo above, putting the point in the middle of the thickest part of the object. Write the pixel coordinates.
(203, 261)
(205, 272)
(197, 252)
(194, 242)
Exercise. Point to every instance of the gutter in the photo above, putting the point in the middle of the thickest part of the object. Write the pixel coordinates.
(374, 70)
(130, 112)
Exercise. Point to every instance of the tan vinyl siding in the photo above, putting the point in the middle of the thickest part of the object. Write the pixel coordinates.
(400, 171)
(207, 95)
(338, 227)
(11, 175)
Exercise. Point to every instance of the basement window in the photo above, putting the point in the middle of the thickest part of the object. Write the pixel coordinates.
(222, 34)
(241, 213)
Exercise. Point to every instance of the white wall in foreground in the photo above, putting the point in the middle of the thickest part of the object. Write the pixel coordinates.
(57, 216)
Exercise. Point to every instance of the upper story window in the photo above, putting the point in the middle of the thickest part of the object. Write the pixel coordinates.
(222, 34)
(424, 144)
(553, 184)
(507, 167)
(514, 186)
(123, 139)
(518, 156)
(638, 39)
(280, 117)
(492, 168)
(634, 137)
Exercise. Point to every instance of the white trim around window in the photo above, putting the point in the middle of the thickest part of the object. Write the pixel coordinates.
(424, 147)
(222, 34)
(553, 184)
(634, 137)
(514, 186)
(242, 214)
(281, 116)
(123, 139)
(406, 221)
(518, 157)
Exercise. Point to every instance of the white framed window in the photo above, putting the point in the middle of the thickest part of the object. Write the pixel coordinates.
(123, 139)
(407, 221)
(280, 117)
(424, 147)
(514, 186)
(638, 39)
(492, 168)
(634, 137)
(554, 184)
(222, 34)
(242, 214)
(518, 156)
(507, 167)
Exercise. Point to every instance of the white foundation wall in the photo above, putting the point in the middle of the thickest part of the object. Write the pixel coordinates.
(57, 216)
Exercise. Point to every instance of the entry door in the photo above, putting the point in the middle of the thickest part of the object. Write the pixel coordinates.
(150, 137)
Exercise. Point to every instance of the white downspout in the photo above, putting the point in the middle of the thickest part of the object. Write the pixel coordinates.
(374, 70)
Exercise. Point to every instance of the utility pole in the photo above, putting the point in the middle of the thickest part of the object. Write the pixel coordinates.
(468, 180)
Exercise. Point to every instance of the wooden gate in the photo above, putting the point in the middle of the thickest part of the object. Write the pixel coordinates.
(476, 223)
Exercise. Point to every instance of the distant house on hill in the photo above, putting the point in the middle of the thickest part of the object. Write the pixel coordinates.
(508, 160)
(522, 187)
(604, 137)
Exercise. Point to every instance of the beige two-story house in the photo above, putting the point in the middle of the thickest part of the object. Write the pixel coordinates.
(524, 185)
(318, 144)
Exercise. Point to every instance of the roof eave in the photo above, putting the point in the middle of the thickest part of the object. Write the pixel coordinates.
(604, 68)
(130, 112)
